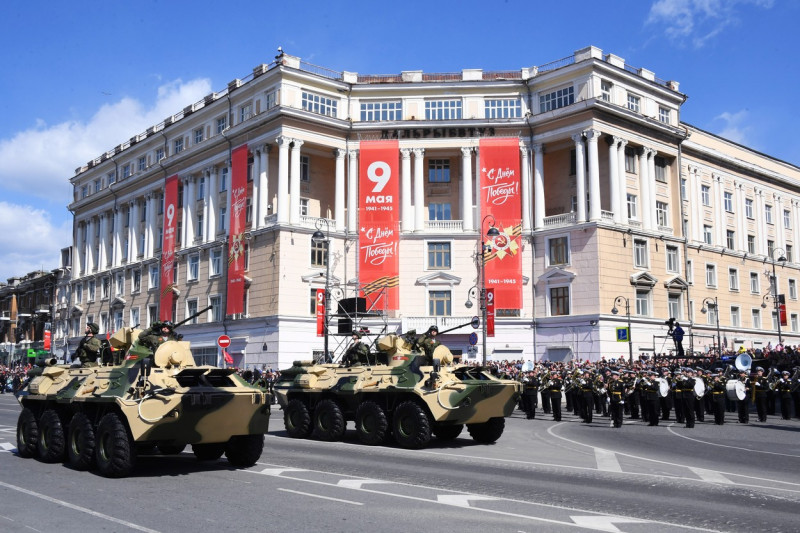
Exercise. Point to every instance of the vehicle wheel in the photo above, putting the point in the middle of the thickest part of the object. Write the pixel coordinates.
(114, 449)
(171, 449)
(209, 451)
(447, 432)
(411, 426)
(297, 419)
(244, 450)
(487, 432)
(51, 437)
(371, 423)
(27, 434)
(329, 423)
(80, 442)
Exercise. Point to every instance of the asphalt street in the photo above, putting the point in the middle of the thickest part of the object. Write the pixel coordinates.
(540, 476)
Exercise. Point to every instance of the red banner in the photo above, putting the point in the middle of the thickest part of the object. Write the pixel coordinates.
(320, 312)
(47, 339)
(490, 312)
(379, 223)
(782, 314)
(167, 296)
(500, 200)
(238, 212)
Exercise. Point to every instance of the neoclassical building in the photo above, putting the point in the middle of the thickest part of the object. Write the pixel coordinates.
(623, 206)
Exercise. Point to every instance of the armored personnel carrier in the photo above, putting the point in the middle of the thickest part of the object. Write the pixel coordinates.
(399, 392)
(103, 416)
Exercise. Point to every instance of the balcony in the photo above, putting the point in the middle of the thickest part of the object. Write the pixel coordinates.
(556, 221)
(444, 226)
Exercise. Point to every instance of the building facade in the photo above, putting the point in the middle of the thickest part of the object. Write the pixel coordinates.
(624, 206)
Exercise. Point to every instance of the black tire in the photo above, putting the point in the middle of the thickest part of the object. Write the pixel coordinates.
(209, 451)
(51, 442)
(329, 423)
(447, 432)
(297, 419)
(244, 450)
(487, 432)
(115, 453)
(80, 442)
(371, 423)
(411, 426)
(171, 449)
(27, 434)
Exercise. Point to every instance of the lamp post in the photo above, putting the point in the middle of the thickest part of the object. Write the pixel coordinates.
(319, 237)
(773, 289)
(492, 232)
(707, 303)
(614, 310)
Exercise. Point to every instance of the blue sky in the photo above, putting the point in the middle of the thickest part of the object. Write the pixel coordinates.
(80, 77)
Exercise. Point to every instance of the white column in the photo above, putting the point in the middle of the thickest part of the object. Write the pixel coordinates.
(796, 230)
(294, 183)
(352, 192)
(526, 187)
(77, 251)
(651, 178)
(406, 214)
(697, 206)
(102, 258)
(644, 190)
(478, 217)
(595, 204)
(90, 224)
(263, 186)
(419, 199)
(119, 240)
(254, 205)
(538, 186)
(613, 177)
(133, 233)
(761, 238)
(189, 206)
(212, 204)
(150, 224)
(338, 206)
(466, 189)
(283, 179)
(741, 225)
(780, 230)
(719, 210)
(580, 177)
(623, 181)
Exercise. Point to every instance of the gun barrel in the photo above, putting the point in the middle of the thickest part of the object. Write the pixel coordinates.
(197, 314)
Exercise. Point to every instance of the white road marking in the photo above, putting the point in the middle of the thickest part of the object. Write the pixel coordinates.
(710, 475)
(461, 500)
(77, 508)
(607, 460)
(320, 496)
(728, 446)
(357, 483)
(7, 446)
(279, 471)
(604, 523)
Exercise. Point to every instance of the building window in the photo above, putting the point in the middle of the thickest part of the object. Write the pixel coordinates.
(733, 279)
(120, 284)
(223, 213)
(689, 271)
(793, 323)
(748, 208)
(660, 165)
(683, 188)
(640, 253)
(736, 318)
(381, 111)
(321, 105)
(319, 253)
(198, 135)
(751, 244)
(558, 250)
(222, 124)
(90, 290)
(662, 210)
(756, 314)
(223, 179)
(105, 287)
(305, 168)
(605, 90)
(135, 317)
(634, 102)
(768, 213)
(503, 108)
(191, 309)
(199, 229)
(152, 315)
(789, 253)
(728, 201)
(439, 303)
(178, 145)
(711, 276)
(707, 234)
(439, 211)
(787, 219)
(672, 260)
(136, 281)
(557, 99)
(215, 263)
(271, 98)
(705, 195)
(730, 239)
(792, 289)
(632, 210)
(643, 302)
(442, 109)
(303, 207)
(97, 185)
(153, 278)
(246, 112)
(193, 272)
(754, 283)
(439, 171)
(774, 315)
(201, 188)
(216, 308)
(711, 314)
(630, 160)
(312, 302)
(770, 247)
(559, 301)
(78, 293)
(438, 255)
(663, 114)
(142, 164)
(160, 154)
(674, 306)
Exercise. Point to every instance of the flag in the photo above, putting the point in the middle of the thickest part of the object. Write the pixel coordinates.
(228, 358)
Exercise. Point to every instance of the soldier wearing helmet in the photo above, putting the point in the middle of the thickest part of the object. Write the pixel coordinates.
(357, 353)
(157, 334)
(429, 342)
(89, 348)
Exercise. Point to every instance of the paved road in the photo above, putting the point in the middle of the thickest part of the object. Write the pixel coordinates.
(540, 476)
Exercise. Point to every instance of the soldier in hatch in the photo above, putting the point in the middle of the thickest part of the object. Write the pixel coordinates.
(88, 351)
(357, 353)
(157, 334)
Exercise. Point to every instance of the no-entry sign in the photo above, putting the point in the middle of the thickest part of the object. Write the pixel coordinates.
(224, 341)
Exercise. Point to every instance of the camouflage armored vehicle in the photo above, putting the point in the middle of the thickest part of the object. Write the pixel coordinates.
(398, 392)
(103, 416)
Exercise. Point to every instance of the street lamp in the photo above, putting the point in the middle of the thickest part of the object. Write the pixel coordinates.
(707, 303)
(773, 289)
(492, 232)
(319, 237)
(614, 310)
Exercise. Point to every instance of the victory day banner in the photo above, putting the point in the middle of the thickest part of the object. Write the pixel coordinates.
(379, 219)
(170, 226)
(320, 312)
(238, 212)
(500, 197)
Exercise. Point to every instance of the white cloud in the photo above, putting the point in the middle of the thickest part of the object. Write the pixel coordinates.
(30, 240)
(734, 127)
(40, 161)
(695, 22)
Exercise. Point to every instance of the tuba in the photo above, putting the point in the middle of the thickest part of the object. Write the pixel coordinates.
(743, 362)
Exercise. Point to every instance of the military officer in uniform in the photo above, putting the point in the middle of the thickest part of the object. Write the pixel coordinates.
(688, 397)
(586, 390)
(616, 391)
(157, 334)
(429, 342)
(717, 386)
(530, 388)
(743, 406)
(357, 353)
(784, 389)
(651, 398)
(677, 389)
(760, 387)
(554, 388)
(88, 351)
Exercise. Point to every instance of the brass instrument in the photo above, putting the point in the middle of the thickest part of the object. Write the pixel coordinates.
(772, 378)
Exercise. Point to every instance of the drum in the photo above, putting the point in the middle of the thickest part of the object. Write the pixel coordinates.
(663, 387)
(699, 389)
(735, 390)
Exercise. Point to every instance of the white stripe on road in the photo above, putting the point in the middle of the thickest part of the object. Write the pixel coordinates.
(606, 460)
(728, 446)
(7, 446)
(77, 508)
(710, 475)
(320, 496)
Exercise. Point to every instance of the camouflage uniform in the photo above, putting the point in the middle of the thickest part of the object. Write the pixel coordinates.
(89, 348)
(154, 337)
(357, 353)
(429, 343)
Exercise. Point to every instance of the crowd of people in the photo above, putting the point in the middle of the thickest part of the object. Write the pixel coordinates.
(12, 376)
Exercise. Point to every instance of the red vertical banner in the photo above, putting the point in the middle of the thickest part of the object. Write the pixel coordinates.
(238, 212)
(167, 296)
(320, 312)
(490, 312)
(500, 198)
(379, 222)
(782, 314)
(47, 339)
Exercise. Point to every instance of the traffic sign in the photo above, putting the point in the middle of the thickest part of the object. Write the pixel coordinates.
(623, 335)
(223, 341)
(475, 322)
(473, 338)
